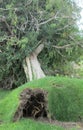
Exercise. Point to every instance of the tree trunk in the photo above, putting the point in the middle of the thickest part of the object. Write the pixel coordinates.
(32, 66)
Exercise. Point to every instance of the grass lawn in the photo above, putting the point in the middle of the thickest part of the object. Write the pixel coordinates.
(27, 124)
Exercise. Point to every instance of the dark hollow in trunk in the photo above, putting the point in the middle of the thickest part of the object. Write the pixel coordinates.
(33, 104)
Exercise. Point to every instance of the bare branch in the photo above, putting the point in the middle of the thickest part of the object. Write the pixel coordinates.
(0, 51)
(35, 22)
(50, 19)
(39, 49)
(77, 43)
(8, 27)
(66, 26)
(5, 38)
(60, 53)
(3, 19)
(68, 45)
(4, 9)
(47, 21)
(54, 17)
(62, 47)
(28, 3)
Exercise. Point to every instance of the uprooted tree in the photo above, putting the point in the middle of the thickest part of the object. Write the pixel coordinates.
(29, 27)
(33, 104)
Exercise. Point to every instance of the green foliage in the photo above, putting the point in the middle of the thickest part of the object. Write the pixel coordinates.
(80, 70)
(21, 31)
(71, 69)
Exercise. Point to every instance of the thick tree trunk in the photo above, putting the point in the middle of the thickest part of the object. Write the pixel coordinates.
(32, 66)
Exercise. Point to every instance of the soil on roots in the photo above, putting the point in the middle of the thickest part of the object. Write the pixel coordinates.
(33, 103)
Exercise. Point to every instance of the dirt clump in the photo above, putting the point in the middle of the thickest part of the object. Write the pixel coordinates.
(33, 104)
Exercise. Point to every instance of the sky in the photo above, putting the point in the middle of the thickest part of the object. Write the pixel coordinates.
(80, 22)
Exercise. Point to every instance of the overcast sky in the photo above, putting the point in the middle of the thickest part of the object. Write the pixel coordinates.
(80, 3)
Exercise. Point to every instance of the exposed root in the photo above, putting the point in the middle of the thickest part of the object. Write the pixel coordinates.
(33, 103)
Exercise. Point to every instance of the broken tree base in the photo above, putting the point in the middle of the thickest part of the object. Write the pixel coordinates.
(33, 104)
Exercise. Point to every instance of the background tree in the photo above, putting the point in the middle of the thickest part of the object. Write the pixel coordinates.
(28, 27)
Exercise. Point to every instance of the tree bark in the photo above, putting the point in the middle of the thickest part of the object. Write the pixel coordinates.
(31, 65)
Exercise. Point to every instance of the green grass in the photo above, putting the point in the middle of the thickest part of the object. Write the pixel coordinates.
(66, 103)
(3, 93)
(9, 102)
(27, 124)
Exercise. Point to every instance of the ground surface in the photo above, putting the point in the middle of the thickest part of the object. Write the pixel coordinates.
(66, 125)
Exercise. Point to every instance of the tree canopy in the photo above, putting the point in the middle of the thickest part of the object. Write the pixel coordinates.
(26, 24)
